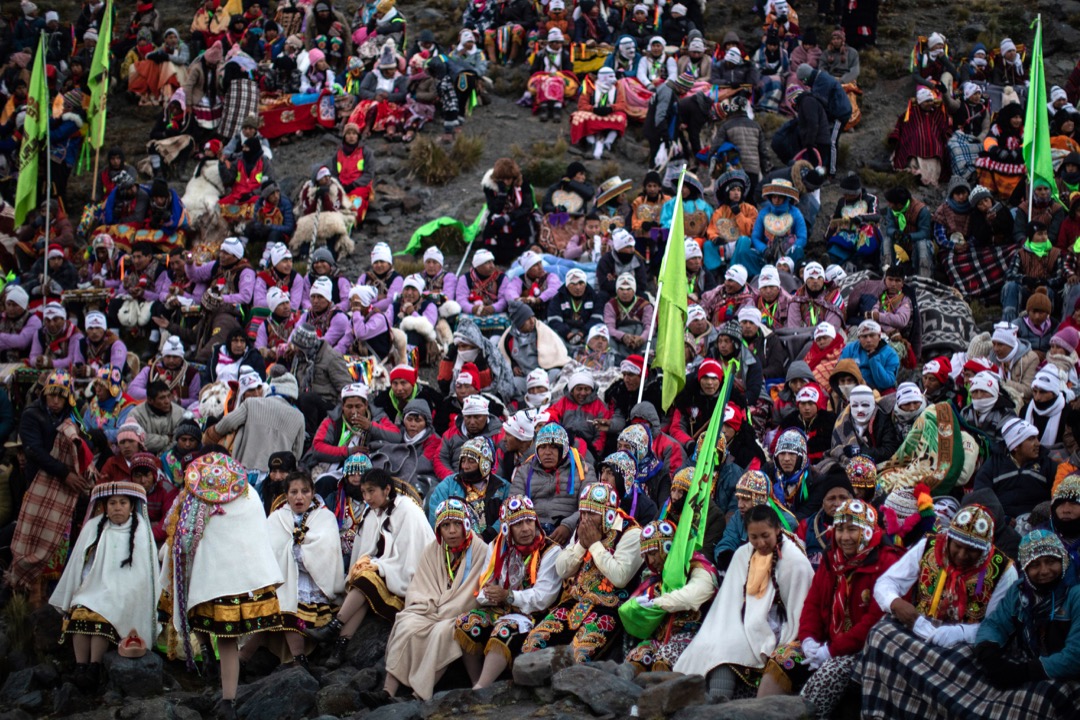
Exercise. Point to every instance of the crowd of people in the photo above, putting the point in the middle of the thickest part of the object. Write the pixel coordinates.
(483, 457)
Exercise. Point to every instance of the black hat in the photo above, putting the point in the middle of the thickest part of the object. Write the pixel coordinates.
(851, 184)
(813, 178)
(653, 177)
(159, 188)
(895, 271)
(282, 460)
(809, 36)
(574, 168)
(116, 152)
(1036, 227)
(897, 195)
(426, 36)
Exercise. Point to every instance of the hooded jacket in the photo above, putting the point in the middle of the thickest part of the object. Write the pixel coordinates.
(1019, 488)
(880, 443)
(403, 459)
(666, 448)
(454, 438)
(879, 367)
(550, 492)
(577, 419)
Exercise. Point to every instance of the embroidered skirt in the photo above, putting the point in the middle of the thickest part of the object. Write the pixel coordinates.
(589, 629)
(307, 615)
(583, 124)
(84, 621)
(486, 630)
(383, 603)
(238, 615)
(659, 655)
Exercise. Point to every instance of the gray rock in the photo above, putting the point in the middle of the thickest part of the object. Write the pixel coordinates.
(430, 16)
(338, 700)
(672, 696)
(502, 692)
(972, 31)
(602, 692)
(17, 684)
(537, 668)
(781, 707)
(136, 677)
(368, 645)
(16, 715)
(648, 679)
(31, 701)
(46, 675)
(67, 700)
(398, 711)
(285, 695)
(366, 679)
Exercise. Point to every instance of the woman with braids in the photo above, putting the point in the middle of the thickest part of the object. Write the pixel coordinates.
(304, 539)
(838, 614)
(516, 590)
(110, 584)
(391, 535)
(756, 611)
(208, 586)
(347, 502)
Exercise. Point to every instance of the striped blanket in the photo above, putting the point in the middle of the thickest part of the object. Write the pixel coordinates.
(978, 273)
(903, 677)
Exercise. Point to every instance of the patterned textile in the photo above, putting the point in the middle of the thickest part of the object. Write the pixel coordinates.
(242, 100)
(589, 629)
(659, 655)
(307, 615)
(386, 114)
(296, 113)
(963, 152)
(487, 630)
(84, 621)
(978, 272)
(903, 677)
(43, 531)
(237, 615)
(583, 124)
(383, 603)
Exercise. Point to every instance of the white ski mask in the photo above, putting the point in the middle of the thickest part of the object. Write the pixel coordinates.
(535, 400)
(983, 405)
(862, 405)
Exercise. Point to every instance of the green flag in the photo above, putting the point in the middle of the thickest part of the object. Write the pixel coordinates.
(35, 136)
(671, 315)
(1037, 122)
(468, 233)
(99, 80)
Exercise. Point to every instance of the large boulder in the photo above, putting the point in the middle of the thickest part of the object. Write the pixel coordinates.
(535, 669)
(670, 696)
(136, 677)
(289, 694)
(602, 692)
(367, 648)
(780, 707)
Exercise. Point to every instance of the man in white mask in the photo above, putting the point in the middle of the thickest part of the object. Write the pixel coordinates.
(863, 430)
(538, 389)
(988, 410)
(910, 404)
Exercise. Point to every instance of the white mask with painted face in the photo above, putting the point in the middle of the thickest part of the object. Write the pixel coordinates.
(862, 410)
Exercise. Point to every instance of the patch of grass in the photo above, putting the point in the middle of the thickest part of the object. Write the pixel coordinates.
(884, 180)
(867, 78)
(770, 122)
(888, 64)
(961, 13)
(430, 162)
(407, 264)
(466, 151)
(542, 172)
(20, 627)
(610, 168)
(541, 150)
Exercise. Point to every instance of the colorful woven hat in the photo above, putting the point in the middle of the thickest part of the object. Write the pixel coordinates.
(861, 472)
(145, 461)
(621, 464)
(480, 450)
(111, 377)
(973, 526)
(682, 479)
(1042, 543)
(554, 434)
(515, 509)
(1068, 489)
(721, 448)
(638, 439)
(859, 513)
(792, 440)
(357, 464)
(59, 383)
(106, 490)
(216, 478)
(753, 485)
(657, 535)
(453, 509)
(600, 498)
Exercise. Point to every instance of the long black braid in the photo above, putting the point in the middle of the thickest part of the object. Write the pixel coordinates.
(131, 535)
(381, 479)
(767, 515)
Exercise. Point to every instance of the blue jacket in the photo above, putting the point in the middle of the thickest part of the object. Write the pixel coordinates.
(65, 139)
(497, 491)
(831, 93)
(288, 219)
(1005, 622)
(878, 368)
(798, 229)
(735, 532)
(667, 212)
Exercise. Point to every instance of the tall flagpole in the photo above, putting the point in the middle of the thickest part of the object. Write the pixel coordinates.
(1034, 140)
(48, 209)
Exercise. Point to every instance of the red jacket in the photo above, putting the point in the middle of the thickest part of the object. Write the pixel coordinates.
(115, 469)
(864, 611)
(326, 438)
(158, 503)
(575, 417)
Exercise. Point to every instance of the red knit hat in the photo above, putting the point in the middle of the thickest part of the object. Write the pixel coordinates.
(404, 372)
(470, 370)
(940, 368)
(710, 367)
(734, 416)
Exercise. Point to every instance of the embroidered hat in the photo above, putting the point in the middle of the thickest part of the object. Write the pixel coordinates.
(519, 426)
(657, 536)
(859, 513)
(453, 509)
(95, 319)
(172, 347)
(601, 499)
(515, 509)
(768, 277)
(538, 378)
(691, 249)
(1067, 490)
(148, 462)
(973, 526)
(621, 239)
(304, 337)
(382, 253)
(54, 310)
(480, 450)
(404, 372)
(813, 270)
(738, 274)
(475, 405)
(792, 440)
(638, 439)
(902, 502)
(622, 464)
(554, 434)
(1042, 543)
(323, 287)
(106, 490)
(357, 464)
(940, 368)
(861, 472)
(278, 253)
(987, 381)
(682, 479)
(111, 377)
(753, 486)
(810, 393)
(869, 327)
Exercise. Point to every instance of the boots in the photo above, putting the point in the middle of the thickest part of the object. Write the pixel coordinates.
(326, 633)
(545, 112)
(302, 661)
(556, 113)
(225, 710)
(339, 655)
(84, 678)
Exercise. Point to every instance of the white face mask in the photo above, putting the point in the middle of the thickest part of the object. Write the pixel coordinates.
(935, 54)
(845, 390)
(535, 400)
(983, 405)
(468, 355)
(908, 415)
(862, 410)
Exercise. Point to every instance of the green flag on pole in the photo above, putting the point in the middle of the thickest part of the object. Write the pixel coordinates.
(99, 80)
(35, 133)
(1037, 122)
(671, 315)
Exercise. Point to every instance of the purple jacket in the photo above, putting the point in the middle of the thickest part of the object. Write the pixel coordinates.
(25, 338)
(392, 292)
(511, 289)
(298, 291)
(201, 274)
(367, 328)
(36, 350)
(462, 296)
(337, 335)
(117, 353)
(159, 290)
(137, 388)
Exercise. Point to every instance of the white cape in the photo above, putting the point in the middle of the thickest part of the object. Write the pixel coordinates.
(409, 536)
(321, 551)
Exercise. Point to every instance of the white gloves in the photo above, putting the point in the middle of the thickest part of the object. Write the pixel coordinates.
(924, 629)
(810, 648)
(948, 636)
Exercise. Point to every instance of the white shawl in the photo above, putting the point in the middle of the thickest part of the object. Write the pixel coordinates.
(125, 596)
(727, 638)
(321, 550)
(233, 558)
(403, 543)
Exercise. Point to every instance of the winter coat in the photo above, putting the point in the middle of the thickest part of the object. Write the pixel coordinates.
(1019, 488)
(831, 93)
(553, 494)
(561, 316)
(494, 493)
(880, 443)
(878, 368)
(454, 439)
(666, 448)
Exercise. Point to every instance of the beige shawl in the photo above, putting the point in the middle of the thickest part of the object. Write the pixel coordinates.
(422, 641)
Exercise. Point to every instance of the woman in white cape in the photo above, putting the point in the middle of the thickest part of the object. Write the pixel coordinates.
(756, 610)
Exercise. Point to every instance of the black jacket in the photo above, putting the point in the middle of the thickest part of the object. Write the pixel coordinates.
(606, 266)
(37, 430)
(563, 319)
(1019, 488)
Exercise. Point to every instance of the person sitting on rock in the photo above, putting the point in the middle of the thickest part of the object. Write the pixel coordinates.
(444, 587)
(678, 611)
(600, 561)
(110, 584)
(521, 582)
